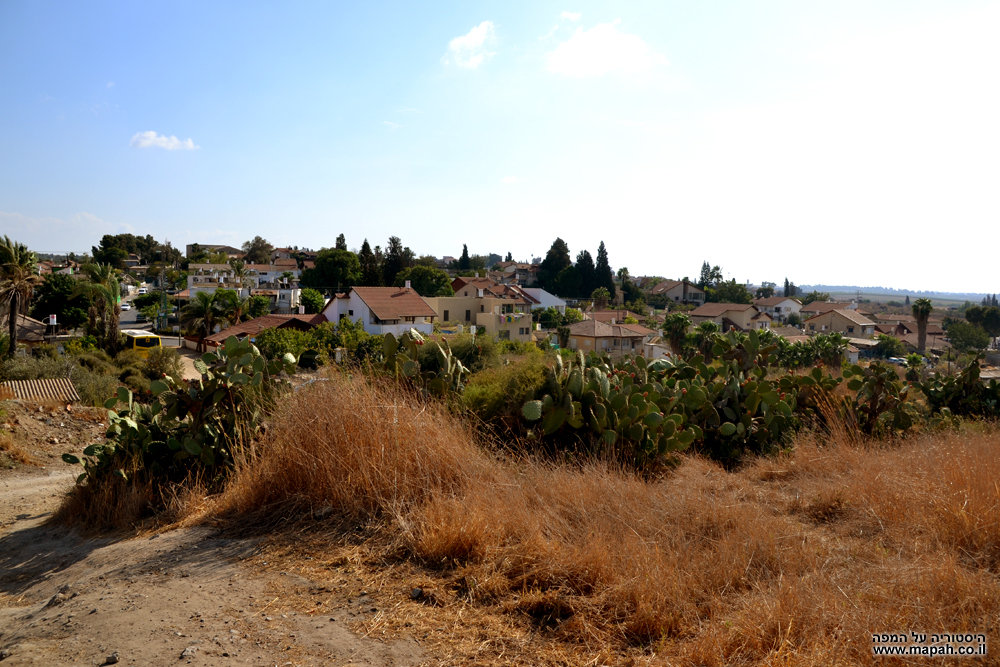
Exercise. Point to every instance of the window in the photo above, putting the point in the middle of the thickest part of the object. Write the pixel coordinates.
(812, 327)
(482, 308)
(850, 329)
(350, 313)
(572, 343)
(468, 316)
(446, 316)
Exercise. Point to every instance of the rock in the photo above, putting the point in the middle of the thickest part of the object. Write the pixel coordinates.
(189, 652)
(111, 659)
(4, 653)
(416, 593)
(323, 512)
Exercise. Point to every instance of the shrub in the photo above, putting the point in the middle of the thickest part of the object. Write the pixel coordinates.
(163, 361)
(497, 393)
(94, 388)
(46, 350)
(276, 343)
(80, 345)
(36, 368)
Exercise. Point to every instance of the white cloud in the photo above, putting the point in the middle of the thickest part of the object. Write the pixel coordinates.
(151, 139)
(469, 50)
(509, 180)
(603, 49)
(550, 33)
(111, 84)
(389, 124)
(572, 16)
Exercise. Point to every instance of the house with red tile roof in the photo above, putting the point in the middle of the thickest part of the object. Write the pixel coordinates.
(847, 322)
(383, 310)
(679, 291)
(614, 339)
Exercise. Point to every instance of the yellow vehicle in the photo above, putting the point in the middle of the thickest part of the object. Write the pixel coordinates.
(140, 341)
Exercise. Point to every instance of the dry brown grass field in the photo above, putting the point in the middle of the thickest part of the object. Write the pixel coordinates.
(794, 560)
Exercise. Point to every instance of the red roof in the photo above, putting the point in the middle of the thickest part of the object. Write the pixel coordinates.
(394, 303)
(598, 329)
(258, 324)
(716, 309)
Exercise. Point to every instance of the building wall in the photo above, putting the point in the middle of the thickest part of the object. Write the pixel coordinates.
(833, 321)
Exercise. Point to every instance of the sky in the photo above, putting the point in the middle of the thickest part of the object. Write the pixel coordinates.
(853, 142)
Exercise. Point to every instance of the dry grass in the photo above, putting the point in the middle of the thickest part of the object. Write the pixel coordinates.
(794, 560)
(11, 453)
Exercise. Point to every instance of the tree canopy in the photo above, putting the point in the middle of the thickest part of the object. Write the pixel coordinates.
(556, 259)
(257, 251)
(335, 271)
(426, 281)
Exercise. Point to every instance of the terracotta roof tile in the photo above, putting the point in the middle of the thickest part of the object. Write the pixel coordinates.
(717, 309)
(394, 303)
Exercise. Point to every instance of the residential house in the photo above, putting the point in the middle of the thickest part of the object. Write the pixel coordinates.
(503, 311)
(292, 254)
(30, 332)
(524, 274)
(679, 291)
(544, 299)
(910, 327)
(739, 316)
(778, 307)
(820, 307)
(615, 339)
(613, 316)
(383, 310)
(210, 277)
(846, 322)
(253, 327)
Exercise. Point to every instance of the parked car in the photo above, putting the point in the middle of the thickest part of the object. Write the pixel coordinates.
(140, 317)
(126, 306)
(142, 290)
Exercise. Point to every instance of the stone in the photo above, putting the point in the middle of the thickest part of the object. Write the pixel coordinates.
(416, 593)
(189, 652)
(112, 659)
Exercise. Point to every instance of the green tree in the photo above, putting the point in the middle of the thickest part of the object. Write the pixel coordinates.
(201, 314)
(18, 267)
(510, 257)
(675, 330)
(102, 286)
(232, 306)
(710, 276)
(241, 274)
(57, 296)
(965, 337)
(790, 289)
(704, 336)
(568, 282)
(395, 260)
(341, 242)
(257, 251)
(822, 297)
(312, 300)
(463, 261)
(729, 292)
(603, 275)
(550, 318)
(765, 291)
(556, 259)
(426, 281)
(371, 268)
(922, 311)
(889, 346)
(335, 270)
(601, 296)
(588, 273)
(258, 306)
(572, 316)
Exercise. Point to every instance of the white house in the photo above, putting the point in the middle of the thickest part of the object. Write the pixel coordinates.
(383, 310)
(544, 299)
(778, 307)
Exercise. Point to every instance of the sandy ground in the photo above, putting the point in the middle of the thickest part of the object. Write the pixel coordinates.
(180, 597)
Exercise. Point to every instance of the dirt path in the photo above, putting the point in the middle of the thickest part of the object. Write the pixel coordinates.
(181, 597)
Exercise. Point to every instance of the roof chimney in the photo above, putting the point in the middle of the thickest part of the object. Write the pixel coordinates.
(407, 284)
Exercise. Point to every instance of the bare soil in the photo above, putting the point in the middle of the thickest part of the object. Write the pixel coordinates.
(184, 596)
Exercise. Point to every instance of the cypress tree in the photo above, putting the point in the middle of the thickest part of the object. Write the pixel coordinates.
(604, 276)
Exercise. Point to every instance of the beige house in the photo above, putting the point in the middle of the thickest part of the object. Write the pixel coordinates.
(679, 291)
(503, 311)
(847, 322)
(615, 339)
(739, 316)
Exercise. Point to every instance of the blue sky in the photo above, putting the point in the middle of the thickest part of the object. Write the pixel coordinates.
(849, 142)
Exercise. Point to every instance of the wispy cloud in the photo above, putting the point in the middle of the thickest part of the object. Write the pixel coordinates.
(572, 16)
(509, 180)
(111, 84)
(470, 50)
(151, 139)
(600, 50)
(389, 124)
(550, 33)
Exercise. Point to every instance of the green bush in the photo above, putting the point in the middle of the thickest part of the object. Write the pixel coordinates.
(94, 388)
(276, 343)
(496, 393)
(163, 361)
(80, 345)
(46, 350)
(36, 368)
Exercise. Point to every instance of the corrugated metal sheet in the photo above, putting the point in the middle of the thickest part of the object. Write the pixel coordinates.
(61, 390)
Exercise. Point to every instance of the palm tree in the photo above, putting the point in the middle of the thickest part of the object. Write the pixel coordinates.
(922, 311)
(202, 313)
(18, 277)
(241, 274)
(103, 287)
(675, 328)
(232, 305)
(601, 296)
(705, 336)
